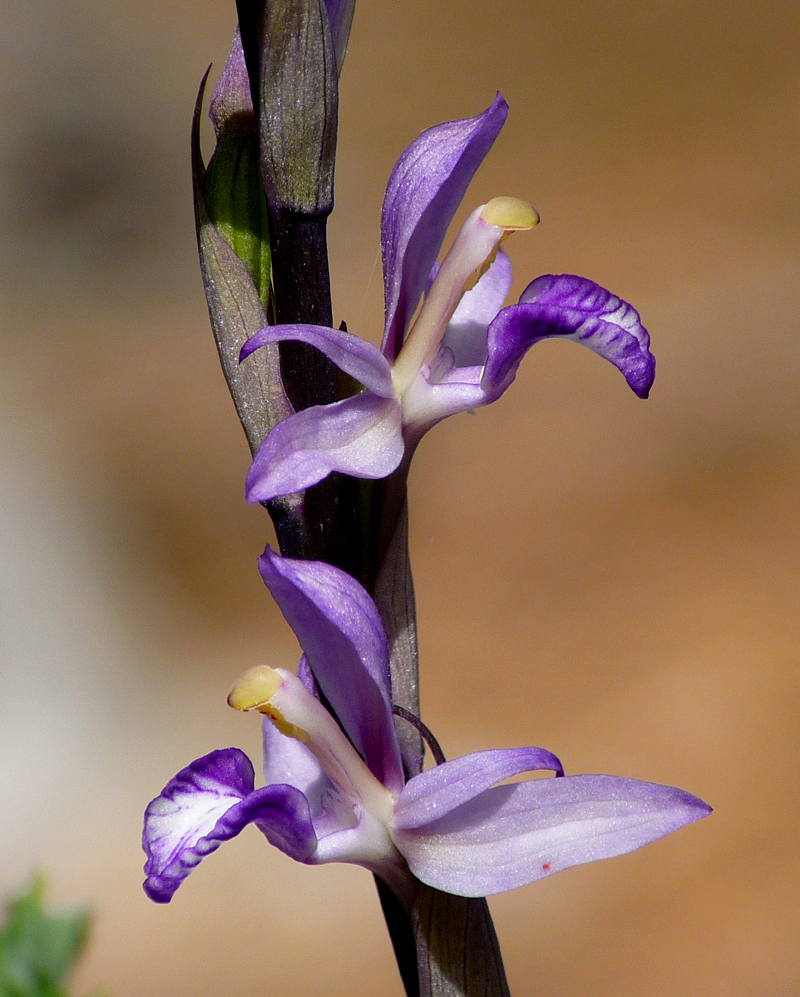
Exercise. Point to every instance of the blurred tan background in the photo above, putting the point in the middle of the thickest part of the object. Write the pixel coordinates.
(615, 580)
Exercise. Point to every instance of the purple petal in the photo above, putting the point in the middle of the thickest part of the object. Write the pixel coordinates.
(467, 330)
(288, 761)
(433, 794)
(512, 835)
(341, 634)
(361, 436)
(306, 676)
(573, 308)
(353, 355)
(424, 190)
(209, 802)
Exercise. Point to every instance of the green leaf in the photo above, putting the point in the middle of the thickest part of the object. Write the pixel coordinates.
(38, 950)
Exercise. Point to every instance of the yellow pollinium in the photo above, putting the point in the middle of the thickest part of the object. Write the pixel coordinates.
(510, 213)
(255, 690)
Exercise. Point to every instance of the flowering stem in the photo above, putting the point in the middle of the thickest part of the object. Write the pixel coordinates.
(458, 954)
(403, 939)
(445, 945)
(450, 949)
(303, 294)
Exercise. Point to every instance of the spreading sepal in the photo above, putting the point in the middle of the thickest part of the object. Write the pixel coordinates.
(512, 835)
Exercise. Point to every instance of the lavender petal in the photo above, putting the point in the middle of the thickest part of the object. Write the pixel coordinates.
(513, 835)
(341, 634)
(361, 436)
(353, 355)
(573, 308)
(433, 794)
(288, 761)
(424, 190)
(467, 330)
(211, 801)
(306, 676)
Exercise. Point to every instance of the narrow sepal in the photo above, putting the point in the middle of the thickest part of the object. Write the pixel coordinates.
(352, 354)
(573, 308)
(435, 793)
(211, 801)
(512, 835)
(341, 634)
(361, 436)
(424, 190)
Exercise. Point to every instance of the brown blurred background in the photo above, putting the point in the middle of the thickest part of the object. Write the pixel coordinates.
(615, 580)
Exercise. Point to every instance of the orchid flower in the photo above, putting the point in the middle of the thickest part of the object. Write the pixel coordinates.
(462, 349)
(338, 793)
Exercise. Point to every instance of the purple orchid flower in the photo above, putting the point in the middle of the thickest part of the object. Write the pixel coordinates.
(334, 796)
(462, 349)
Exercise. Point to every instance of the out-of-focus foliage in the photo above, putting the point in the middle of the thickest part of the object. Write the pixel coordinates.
(38, 949)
